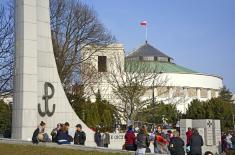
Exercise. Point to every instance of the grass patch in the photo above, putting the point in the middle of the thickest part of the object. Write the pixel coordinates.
(15, 149)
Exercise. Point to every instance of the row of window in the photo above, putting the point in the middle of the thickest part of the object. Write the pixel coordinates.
(182, 92)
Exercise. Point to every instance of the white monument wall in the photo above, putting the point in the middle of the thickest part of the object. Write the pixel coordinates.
(35, 65)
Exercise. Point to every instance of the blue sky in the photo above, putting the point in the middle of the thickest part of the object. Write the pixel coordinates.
(198, 34)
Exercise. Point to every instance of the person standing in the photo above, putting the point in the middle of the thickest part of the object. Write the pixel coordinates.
(97, 138)
(79, 136)
(142, 140)
(106, 139)
(160, 141)
(176, 145)
(228, 141)
(130, 139)
(196, 143)
(189, 134)
(233, 141)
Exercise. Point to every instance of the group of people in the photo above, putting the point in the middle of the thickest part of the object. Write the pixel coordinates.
(60, 134)
(102, 140)
(163, 143)
(228, 141)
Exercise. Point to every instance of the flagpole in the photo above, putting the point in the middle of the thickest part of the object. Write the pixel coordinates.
(146, 34)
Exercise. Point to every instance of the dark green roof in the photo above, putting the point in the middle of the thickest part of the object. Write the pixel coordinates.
(155, 67)
(147, 50)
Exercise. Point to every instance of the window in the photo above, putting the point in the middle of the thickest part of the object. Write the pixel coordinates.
(148, 58)
(203, 93)
(163, 59)
(102, 64)
(192, 92)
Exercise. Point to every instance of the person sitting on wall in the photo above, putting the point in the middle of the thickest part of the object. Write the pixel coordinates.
(66, 124)
(79, 136)
(63, 137)
(55, 131)
(39, 134)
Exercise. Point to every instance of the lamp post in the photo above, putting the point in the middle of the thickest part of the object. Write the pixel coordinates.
(153, 95)
(233, 123)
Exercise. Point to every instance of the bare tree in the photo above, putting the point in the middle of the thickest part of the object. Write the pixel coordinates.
(130, 82)
(74, 26)
(6, 50)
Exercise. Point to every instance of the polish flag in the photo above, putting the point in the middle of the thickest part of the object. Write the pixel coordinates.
(144, 23)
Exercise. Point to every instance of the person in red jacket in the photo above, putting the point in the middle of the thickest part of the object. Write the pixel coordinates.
(130, 139)
(189, 134)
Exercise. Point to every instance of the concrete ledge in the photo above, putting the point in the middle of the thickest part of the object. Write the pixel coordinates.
(73, 147)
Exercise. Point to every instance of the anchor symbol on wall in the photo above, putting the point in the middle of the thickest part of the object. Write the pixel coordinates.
(47, 97)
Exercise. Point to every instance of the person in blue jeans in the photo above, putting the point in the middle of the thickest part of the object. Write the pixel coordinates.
(159, 140)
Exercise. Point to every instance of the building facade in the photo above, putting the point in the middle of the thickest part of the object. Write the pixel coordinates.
(180, 85)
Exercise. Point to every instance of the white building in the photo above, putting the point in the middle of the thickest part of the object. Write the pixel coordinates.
(182, 84)
(233, 98)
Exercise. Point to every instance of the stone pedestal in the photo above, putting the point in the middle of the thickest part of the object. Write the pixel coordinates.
(208, 129)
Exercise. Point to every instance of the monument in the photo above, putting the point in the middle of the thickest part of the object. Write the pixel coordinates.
(209, 130)
(38, 92)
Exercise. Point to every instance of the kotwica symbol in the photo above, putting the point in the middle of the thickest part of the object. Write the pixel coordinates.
(47, 97)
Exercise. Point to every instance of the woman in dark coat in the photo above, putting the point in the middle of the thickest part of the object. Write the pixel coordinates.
(196, 143)
(176, 145)
(97, 138)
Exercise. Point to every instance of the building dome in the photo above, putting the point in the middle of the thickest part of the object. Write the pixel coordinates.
(149, 59)
(148, 53)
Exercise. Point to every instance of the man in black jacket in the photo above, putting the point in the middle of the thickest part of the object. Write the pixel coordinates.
(80, 136)
(97, 138)
(176, 145)
(196, 143)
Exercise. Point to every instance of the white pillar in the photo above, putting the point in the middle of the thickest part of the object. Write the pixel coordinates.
(24, 115)
(216, 93)
(198, 93)
(185, 92)
(209, 94)
(170, 92)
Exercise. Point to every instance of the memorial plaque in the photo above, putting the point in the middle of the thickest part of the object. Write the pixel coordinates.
(216, 132)
(209, 132)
